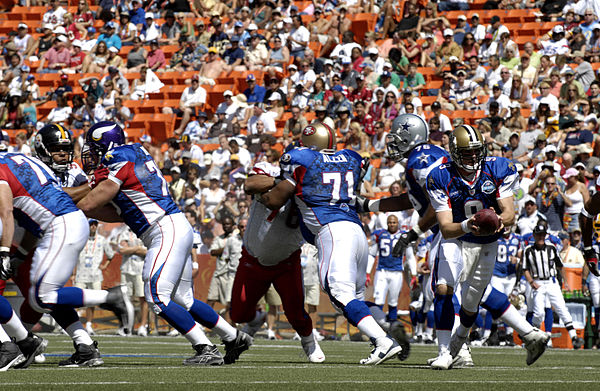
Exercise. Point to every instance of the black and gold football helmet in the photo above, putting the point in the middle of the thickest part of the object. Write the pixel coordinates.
(54, 138)
(467, 148)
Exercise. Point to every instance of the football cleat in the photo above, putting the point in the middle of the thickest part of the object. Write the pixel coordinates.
(384, 349)
(84, 356)
(397, 331)
(31, 347)
(205, 355)
(443, 361)
(142, 331)
(463, 358)
(271, 334)
(312, 349)
(535, 343)
(10, 356)
(318, 335)
(119, 303)
(174, 333)
(234, 348)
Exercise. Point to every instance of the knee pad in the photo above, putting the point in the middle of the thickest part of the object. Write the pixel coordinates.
(355, 311)
(496, 303)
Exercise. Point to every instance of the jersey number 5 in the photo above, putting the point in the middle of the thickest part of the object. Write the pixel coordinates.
(336, 179)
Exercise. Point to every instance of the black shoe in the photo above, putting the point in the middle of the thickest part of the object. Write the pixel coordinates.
(119, 303)
(84, 356)
(492, 340)
(397, 331)
(10, 356)
(509, 341)
(577, 343)
(205, 355)
(31, 347)
(234, 348)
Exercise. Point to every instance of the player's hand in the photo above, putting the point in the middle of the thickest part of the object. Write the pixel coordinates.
(475, 230)
(534, 285)
(368, 281)
(362, 204)
(591, 258)
(585, 290)
(100, 174)
(405, 239)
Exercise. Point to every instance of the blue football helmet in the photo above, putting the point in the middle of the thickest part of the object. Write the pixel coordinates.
(99, 139)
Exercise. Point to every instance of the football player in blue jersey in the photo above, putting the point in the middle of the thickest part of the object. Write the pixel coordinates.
(139, 191)
(458, 190)
(324, 183)
(388, 277)
(408, 140)
(504, 276)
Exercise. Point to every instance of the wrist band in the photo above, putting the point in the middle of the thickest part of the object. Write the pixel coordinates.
(4, 249)
(585, 213)
(417, 230)
(465, 226)
(588, 248)
(373, 206)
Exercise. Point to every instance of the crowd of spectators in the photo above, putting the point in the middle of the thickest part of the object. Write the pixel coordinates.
(540, 101)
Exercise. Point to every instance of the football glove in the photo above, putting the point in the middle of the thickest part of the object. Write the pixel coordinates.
(100, 174)
(5, 269)
(405, 239)
(591, 258)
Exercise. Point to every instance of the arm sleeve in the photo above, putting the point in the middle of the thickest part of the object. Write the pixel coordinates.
(509, 183)
(438, 194)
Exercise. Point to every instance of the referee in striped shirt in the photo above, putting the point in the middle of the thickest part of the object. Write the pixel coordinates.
(540, 263)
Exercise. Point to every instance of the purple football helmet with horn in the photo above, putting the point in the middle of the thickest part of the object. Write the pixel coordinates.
(99, 139)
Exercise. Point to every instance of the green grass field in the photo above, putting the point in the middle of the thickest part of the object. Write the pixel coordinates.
(155, 363)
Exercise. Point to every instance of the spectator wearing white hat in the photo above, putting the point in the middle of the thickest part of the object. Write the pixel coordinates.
(56, 58)
(529, 216)
(77, 58)
(448, 48)
(23, 41)
(54, 15)
(556, 45)
(375, 60)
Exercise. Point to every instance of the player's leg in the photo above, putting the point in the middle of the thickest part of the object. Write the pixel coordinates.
(343, 257)
(288, 283)
(444, 276)
(380, 287)
(250, 284)
(396, 278)
(594, 288)
(28, 344)
(558, 303)
(539, 303)
(274, 302)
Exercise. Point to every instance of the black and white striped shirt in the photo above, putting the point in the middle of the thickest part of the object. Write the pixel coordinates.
(541, 262)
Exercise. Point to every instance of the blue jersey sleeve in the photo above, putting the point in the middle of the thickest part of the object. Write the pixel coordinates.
(437, 188)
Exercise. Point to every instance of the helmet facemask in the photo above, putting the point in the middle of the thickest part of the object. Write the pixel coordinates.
(90, 158)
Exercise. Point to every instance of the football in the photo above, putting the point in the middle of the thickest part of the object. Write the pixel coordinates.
(487, 220)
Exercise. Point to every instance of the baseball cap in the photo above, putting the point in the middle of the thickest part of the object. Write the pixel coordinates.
(77, 43)
(539, 229)
(62, 38)
(227, 93)
(48, 26)
(519, 167)
(238, 24)
(475, 15)
(92, 221)
(113, 49)
(529, 199)
(174, 168)
(346, 60)
(253, 27)
(22, 26)
(215, 177)
(453, 58)
(25, 68)
(462, 17)
(584, 148)
(579, 165)
(250, 77)
(495, 19)
(550, 148)
(196, 77)
(234, 157)
(320, 108)
(292, 66)
(146, 138)
(570, 172)
(386, 74)
(558, 29)
(579, 118)
(533, 120)
(448, 33)
(373, 51)
(387, 64)
(407, 90)
(111, 25)
(515, 104)
(275, 96)
(235, 38)
(461, 72)
(202, 114)
(488, 36)
(60, 30)
(597, 168)
(112, 70)
(568, 71)
(436, 105)
(221, 110)
(64, 77)
(514, 134)
(154, 42)
(338, 88)
(213, 49)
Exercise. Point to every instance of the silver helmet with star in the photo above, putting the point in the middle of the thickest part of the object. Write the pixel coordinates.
(408, 131)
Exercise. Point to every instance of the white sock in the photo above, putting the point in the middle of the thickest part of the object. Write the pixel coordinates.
(3, 336)
(572, 333)
(226, 331)
(429, 332)
(93, 297)
(443, 337)
(15, 328)
(456, 323)
(88, 324)
(196, 336)
(512, 318)
(315, 332)
(487, 333)
(370, 327)
(78, 334)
